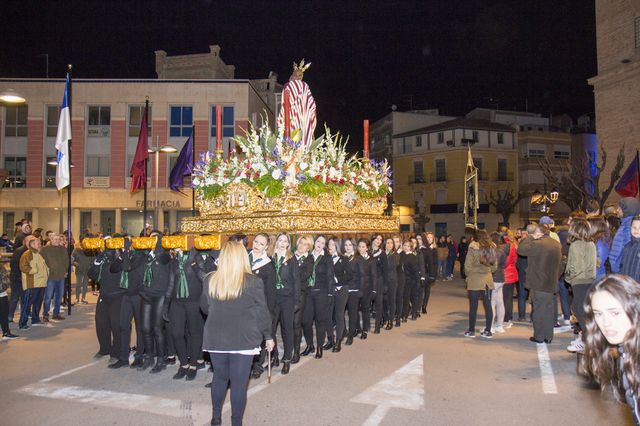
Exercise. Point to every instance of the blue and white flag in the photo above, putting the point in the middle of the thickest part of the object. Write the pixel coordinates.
(62, 141)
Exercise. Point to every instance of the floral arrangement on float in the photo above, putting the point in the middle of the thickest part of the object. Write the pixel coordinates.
(272, 163)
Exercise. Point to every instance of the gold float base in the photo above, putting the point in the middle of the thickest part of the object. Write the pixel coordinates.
(291, 222)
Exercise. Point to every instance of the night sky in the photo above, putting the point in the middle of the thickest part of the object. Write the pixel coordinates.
(367, 56)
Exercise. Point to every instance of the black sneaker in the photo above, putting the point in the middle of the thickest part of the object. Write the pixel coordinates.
(191, 374)
(9, 336)
(181, 373)
(486, 334)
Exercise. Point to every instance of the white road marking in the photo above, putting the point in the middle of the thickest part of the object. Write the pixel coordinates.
(126, 401)
(73, 370)
(546, 371)
(402, 389)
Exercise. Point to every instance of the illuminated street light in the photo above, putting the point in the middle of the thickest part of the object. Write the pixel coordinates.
(10, 96)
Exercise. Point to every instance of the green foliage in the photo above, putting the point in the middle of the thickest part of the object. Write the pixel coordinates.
(212, 191)
(269, 186)
(311, 187)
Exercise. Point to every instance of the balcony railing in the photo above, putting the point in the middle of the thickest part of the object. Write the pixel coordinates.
(504, 177)
(438, 177)
(413, 179)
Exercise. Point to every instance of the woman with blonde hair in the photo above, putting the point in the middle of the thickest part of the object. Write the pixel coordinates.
(238, 321)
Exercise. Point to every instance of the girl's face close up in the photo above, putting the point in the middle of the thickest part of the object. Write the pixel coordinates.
(610, 316)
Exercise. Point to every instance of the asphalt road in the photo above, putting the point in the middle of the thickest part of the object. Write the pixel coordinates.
(423, 373)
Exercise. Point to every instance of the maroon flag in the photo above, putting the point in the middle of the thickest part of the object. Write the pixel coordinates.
(138, 171)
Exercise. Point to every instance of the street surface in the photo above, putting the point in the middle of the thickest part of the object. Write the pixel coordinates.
(424, 373)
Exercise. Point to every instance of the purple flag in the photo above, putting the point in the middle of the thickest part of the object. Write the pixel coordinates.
(182, 167)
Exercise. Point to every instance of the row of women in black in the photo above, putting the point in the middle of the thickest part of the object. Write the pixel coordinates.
(312, 287)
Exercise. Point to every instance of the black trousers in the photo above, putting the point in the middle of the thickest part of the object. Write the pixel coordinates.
(315, 310)
(378, 303)
(365, 309)
(232, 370)
(108, 325)
(152, 325)
(390, 301)
(399, 297)
(474, 295)
(426, 285)
(353, 303)
(285, 315)
(186, 325)
(4, 313)
(340, 299)
(507, 296)
(297, 323)
(330, 320)
(16, 295)
(411, 303)
(542, 315)
(130, 309)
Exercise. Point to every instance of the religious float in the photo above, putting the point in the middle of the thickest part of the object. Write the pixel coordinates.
(288, 180)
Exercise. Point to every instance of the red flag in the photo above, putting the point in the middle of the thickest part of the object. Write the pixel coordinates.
(138, 171)
(627, 186)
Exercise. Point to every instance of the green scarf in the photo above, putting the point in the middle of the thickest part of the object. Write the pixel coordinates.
(124, 280)
(278, 263)
(148, 273)
(312, 278)
(183, 287)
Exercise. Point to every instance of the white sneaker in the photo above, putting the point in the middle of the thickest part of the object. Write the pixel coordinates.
(507, 325)
(499, 330)
(576, 347)
(566, 322)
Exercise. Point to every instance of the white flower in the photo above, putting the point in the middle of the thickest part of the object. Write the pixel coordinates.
(304, 166)
(276, 174)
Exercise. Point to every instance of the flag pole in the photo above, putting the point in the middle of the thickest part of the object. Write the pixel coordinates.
(193, 165)
(146, 163)
(68, 281)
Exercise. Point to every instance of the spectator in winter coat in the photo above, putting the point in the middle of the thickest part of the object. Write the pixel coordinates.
(463, 248)
(35, 274)
(630, 262)
(628, 207)
(510, 278)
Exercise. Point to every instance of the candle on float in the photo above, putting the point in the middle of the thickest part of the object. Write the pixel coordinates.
(219, 127)
(287, 113)
(366, 138)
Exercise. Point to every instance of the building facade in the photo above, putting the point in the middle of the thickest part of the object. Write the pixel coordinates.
(617, 86)
(106, 117)
(430, 164)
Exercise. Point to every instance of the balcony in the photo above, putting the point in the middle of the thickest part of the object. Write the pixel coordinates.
(438, 177)
(417, 179)
(504, 177)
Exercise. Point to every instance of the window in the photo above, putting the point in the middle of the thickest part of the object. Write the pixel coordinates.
(135, 119)
(99, 121)
(561, 155)
(500, 138)
(85, 222)
(228, 122)
(53, 117)
(16, 121)
(440, 138)
(441, 170)
(8, 219)
(50, 173)
(636, 26)
(536, 153)
(441, 229)
(181, 121)
(474, 135)
(441, 196)
(478, 163)
(418, 172)
(97, 165)
(502, 169)
(17, 168)
(418, 141)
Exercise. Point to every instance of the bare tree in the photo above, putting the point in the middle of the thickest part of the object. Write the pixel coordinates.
(505, 202)
(578, 186)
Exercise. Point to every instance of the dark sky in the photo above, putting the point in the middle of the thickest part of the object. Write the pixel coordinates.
(367, 56)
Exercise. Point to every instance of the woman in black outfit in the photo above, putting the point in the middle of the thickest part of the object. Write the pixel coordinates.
(185, 319)
(430, 254)
(342, 272)
(319, 284)
(393, 260)
(397, 242)
(238, 321)
(154, 289)
(355, 288)
(287, 293)
(413, 277)
(368, 271)
(305, 268)
(377, 253)
(463, 248)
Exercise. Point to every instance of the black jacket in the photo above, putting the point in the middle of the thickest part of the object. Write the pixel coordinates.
(367, 273)
(324, 276)
(289, 277)
(342, 271)
(160, 273)
(238, 324)
(381, 270)
(413, 268)
(393, 261)
(267, 273)
(430, 257)
(194, 272)
(107, 272)
(133, 262)
(305, 267)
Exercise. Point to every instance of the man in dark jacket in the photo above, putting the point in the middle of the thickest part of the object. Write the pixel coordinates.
(16, 280)
(543, 270)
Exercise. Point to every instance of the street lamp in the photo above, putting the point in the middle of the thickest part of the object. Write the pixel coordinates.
(12, 97)
(545, 200)
(157, 150)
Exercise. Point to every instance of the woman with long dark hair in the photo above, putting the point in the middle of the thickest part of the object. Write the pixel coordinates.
(377, 253)
(393, 260)
(305, 268)
(413, 277)
(430, 268)
(368, 272)
(612, 338)
(342, 272)
(238, 321)
(355, 287)
(319, 284)
(481, 262)
(287, 292)
(601, 236)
